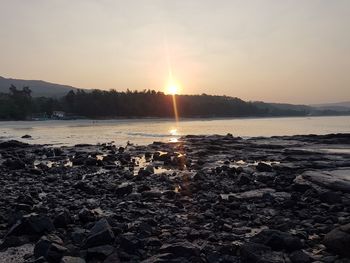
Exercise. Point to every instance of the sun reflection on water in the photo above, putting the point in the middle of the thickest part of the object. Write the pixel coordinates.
(173, 132)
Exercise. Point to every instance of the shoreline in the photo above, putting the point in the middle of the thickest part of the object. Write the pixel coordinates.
(181, 118)
(203, 199)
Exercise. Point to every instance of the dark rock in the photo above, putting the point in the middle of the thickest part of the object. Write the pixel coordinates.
(151, 195)
(258, 253)
(50, 247)
(26, 136)
(32, 224)
(299, 256)
(14, 241)
(68, 259)
(244, 179)
(62, 219)
(100, 234)
(143, 188)
(124, 189)
(330, 197)
(277, 240)
(14, 164)
(78, 236)
(336, 180)
(112, 258)
(85, 215)
(13, 144)
(160, 258)
(264, 167)
(129, 242)
(55, 252)
(100, 251)
(338, 240)
(181, 249)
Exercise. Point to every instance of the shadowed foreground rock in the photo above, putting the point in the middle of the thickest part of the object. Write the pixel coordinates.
(203, 199)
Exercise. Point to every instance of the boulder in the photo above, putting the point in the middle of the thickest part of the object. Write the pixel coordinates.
(50, 247)
(100, 234)
(338, 240)
(32, 224)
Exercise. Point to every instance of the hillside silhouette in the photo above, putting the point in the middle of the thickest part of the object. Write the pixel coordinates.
(18, 104)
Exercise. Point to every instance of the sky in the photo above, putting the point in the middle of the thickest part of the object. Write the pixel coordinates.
(261, 50)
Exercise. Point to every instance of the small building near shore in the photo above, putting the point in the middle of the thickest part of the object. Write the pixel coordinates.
(58, 114)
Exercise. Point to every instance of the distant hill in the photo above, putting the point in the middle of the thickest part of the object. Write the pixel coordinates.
(339, 106)
(39, 88)
(283, 107)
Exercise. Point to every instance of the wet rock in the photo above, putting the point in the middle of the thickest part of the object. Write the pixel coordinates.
(277, 240)
(26, 136)
(100, 234)
(32, 224)
(338, 240)
(13, 144)
(337, 180)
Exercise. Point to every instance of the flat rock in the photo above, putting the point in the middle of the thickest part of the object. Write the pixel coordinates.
(338, 180)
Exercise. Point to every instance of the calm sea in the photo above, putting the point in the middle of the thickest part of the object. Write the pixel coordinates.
(148, 130)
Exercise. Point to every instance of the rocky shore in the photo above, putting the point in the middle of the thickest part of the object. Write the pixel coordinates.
(202, 199)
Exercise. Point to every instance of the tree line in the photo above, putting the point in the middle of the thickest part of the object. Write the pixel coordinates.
(18, 104)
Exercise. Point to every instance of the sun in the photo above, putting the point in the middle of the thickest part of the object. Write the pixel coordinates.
(172, 88)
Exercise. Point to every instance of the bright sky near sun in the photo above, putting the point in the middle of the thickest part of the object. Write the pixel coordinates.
(271, 50)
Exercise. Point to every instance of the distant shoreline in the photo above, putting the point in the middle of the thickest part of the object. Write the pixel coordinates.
(181, 118)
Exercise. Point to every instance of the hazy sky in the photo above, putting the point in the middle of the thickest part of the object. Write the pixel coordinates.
(273, 50)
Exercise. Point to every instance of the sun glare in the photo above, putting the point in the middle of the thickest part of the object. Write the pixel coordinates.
(172, 88)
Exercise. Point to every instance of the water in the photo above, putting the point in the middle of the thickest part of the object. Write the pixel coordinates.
(148, 130)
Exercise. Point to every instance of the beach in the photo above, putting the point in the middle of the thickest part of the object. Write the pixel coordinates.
(199, 199)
